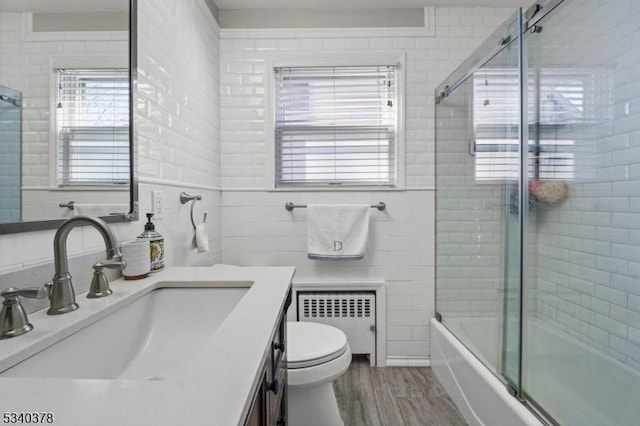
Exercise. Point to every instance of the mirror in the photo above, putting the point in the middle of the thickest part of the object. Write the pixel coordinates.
(67, 68)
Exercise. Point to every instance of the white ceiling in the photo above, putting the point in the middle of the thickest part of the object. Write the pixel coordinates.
(63, 6)
(358, 4)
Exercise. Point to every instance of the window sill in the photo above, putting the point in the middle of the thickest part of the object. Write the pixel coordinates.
(89, 188)
(338, 189)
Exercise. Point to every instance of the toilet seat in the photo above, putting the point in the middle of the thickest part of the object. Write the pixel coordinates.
(312, 344)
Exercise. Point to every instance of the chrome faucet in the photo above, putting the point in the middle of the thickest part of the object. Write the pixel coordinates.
(61, 294)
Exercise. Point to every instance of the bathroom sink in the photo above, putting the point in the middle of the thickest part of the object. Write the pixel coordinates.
(149, 338)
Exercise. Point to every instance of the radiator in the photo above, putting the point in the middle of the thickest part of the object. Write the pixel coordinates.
(352, 312)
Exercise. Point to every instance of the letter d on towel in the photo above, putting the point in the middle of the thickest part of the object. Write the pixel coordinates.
(337, 245)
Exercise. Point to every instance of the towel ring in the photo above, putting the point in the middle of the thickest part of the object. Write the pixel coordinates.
(185, 198)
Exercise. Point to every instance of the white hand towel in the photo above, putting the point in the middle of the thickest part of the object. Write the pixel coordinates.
(337, 232)
(201, 238)
(99, 209)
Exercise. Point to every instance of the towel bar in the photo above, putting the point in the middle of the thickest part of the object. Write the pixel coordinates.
(290, 206)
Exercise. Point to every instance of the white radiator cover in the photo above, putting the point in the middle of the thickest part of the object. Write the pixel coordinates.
(352, 312)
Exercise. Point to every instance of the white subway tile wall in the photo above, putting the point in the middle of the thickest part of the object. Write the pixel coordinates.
(178, 120)
(178, 93)
(259, 231)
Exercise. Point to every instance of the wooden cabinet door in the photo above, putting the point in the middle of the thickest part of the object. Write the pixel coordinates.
(258, 413)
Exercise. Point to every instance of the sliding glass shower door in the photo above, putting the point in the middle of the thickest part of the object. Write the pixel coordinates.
(581, 359)
(477, 213)
(538, 209)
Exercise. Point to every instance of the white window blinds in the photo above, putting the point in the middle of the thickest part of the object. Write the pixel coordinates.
(92, 118)
(335, 125)
(565, 102)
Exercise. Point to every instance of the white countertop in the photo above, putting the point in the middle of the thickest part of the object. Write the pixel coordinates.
(214, 390)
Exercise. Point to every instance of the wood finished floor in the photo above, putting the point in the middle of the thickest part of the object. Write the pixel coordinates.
(393, 396)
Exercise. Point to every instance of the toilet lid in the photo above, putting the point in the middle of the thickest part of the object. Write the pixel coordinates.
(311, 344)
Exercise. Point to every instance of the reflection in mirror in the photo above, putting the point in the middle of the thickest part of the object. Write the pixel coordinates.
(64, 109)
(10, 140)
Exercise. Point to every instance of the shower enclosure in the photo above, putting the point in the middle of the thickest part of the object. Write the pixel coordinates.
(538, 209)
(10, 147)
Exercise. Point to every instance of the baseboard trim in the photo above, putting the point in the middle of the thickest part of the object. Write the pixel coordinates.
(408, 361)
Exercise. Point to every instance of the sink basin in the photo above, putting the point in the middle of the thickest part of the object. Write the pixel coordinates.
(146, 339)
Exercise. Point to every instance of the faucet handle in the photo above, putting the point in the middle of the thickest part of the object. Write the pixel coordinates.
(31, 292)
(13, 318)
(99, 283)
(111, 264)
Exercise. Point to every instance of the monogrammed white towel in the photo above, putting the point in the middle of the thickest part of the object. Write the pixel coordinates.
(337, 232)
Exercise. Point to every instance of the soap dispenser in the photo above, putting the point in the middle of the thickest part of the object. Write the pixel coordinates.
(156, 244)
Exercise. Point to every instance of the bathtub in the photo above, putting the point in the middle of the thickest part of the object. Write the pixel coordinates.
(559, 365)
(479, 395)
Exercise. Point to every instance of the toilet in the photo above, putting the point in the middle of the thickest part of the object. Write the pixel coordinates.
(317, 354)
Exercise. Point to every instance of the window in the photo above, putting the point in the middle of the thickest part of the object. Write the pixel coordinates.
(336, 126)
(563, 104)
(92, 121)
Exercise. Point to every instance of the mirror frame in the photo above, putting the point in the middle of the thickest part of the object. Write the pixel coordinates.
(40, 225)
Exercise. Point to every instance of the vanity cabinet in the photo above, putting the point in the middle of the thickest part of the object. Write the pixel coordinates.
(257, 414)
(269, 405)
